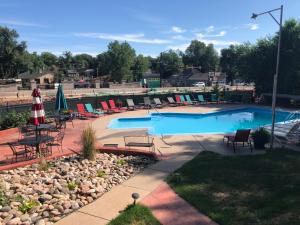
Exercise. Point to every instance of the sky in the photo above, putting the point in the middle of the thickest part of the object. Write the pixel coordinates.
(150, 26)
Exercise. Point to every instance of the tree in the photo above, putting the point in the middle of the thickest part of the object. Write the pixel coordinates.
(103, 63)
(11, 53)
(228, 62)
(141, 65)
(50, 60)
(36, 64)
(234, 61)
(83, 61)
(121, 58)
(169, 63)
(200, 55)
(257, 63)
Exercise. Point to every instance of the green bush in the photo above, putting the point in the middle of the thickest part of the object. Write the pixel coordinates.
(27, 205)
(14, 119)
(260, 138)
(4, 200)
(88, 139)
(72, 185)
(101, 173)
(121, 162)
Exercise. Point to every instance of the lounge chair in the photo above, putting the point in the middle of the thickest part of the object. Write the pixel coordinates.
(201, 99)
(214, 98)
(107, 109)
(140, 141)
(241, 136)
(130, 104)
(147, 103)
(90, 109)
(82, 112)
(112, 104)
(157, 103)
(172, 102)
(287, 133)
(189, 100)
(180, 100)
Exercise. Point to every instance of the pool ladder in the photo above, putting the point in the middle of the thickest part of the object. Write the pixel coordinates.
(292, 116)
(162, 136)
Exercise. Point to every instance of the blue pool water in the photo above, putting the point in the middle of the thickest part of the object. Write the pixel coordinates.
(191, 123)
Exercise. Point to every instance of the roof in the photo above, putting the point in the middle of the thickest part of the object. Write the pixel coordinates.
(199, 76)
(72, 71)
(27, 75)
(219, 76)
(151, 75)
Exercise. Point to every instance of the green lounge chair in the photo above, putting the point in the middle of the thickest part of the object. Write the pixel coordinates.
(90, 109)
(201, 99)
(214, 98)
(189, 100)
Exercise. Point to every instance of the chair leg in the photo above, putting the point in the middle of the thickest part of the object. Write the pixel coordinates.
(250, 146)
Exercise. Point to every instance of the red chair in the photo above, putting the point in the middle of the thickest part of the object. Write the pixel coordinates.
(107, 109)
(81, 110)
(241, 136)
(178, 100)
(112, 104)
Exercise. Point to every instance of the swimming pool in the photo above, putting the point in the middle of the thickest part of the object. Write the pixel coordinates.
(191, 123)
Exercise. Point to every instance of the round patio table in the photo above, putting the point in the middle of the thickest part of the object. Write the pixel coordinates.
(41, 127)
(35, 141)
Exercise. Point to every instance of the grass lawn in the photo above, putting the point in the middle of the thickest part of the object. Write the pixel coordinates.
(135, 215)
(243, 190)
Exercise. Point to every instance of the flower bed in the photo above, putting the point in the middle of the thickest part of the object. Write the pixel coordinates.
(43, 193)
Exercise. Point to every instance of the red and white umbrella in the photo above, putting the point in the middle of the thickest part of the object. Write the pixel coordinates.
(37, 111)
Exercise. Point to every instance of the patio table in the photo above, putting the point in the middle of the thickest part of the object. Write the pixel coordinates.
(36, 141)
(41, 127)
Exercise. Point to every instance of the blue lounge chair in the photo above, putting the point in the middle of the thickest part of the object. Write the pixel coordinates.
(201, 99)
(214, 98)
(189, 100)
(90, 109)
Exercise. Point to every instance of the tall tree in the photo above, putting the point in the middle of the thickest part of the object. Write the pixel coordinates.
(200, 55)
(50, 60)
(103, 64)
(83, 61)
(140, 66)
(11, 53)
(121, 57)
(169, 63)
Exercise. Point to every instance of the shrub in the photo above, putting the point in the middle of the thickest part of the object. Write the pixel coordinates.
(14, 119)
(260, 138)
(88, 139)
(121, 162)
(43, 164)
(27, 205)
(101, 173)
(72, 185)
(4, 200)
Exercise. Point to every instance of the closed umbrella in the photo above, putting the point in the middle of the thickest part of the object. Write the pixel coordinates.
(60, 101)
(37, 110)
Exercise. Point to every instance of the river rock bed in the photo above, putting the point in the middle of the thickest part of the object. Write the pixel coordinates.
(62, 186)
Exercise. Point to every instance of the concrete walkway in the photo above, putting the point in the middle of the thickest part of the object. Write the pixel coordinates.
(170, 209)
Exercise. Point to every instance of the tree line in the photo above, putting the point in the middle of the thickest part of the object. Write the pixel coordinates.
(120, 61)
(250, 62)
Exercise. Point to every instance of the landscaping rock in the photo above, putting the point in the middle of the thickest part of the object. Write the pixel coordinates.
(70, 183)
